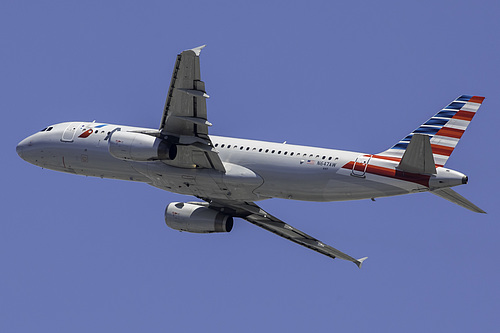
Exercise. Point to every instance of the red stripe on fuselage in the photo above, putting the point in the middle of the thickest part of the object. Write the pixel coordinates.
(391, 173)
(389, 158)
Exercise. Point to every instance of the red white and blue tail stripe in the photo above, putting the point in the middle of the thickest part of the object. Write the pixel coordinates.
(445, 129)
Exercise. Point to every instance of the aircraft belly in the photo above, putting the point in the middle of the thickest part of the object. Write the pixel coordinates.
(85, 160)
(203, 183)
(329, 185)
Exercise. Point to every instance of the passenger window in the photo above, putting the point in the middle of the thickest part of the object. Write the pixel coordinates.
(260, 150)
(285, 153)
(241, 148)
(248, 148)
(330, 158)
(323, 157)
(291, 154)
(267, 150)
(222, 146)
(216, 145)
(228, 146)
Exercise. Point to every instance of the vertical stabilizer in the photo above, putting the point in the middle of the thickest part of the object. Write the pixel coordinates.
(444, 129)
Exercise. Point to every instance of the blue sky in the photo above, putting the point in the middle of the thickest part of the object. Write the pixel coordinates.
(83, 254)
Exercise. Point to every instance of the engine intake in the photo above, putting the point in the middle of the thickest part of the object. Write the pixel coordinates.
(196, 218)
(140, 147)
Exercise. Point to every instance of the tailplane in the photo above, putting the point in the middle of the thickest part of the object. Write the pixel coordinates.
(452, 196)
(444, 130)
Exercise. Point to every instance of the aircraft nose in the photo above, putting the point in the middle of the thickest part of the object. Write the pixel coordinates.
(20, 148)
(23, 148)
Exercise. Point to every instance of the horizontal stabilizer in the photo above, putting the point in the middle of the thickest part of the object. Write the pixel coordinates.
(418, 156)
(450, 195)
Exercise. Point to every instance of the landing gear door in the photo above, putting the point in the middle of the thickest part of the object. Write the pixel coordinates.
(360, 165)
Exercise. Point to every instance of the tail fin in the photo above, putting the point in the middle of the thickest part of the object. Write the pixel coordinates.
(444, 129)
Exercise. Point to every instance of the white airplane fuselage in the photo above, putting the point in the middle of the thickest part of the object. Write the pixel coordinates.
(255, 170)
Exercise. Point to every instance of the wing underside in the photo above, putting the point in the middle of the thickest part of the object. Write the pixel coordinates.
(254, 214)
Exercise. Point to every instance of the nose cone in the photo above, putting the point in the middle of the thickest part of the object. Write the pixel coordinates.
(27, 149)
(21, 146)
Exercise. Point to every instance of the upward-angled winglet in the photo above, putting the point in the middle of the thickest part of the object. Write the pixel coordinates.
(359, 262)
(197, 50)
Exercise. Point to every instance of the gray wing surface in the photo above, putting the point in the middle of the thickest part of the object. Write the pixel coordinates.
(184, 121)
(451, 195)
(254, 214)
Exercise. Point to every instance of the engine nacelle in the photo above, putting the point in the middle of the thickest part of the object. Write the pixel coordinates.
(140, 147)
(196, 218)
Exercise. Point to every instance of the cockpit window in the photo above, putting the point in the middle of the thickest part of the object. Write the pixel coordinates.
(43, 130)
(49, 129)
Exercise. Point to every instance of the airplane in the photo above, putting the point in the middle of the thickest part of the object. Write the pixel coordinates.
(230, 174)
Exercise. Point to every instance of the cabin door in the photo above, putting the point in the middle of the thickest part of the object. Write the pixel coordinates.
(360, 165)
(69, 132)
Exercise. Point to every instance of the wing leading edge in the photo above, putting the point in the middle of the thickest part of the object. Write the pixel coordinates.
(254, 214)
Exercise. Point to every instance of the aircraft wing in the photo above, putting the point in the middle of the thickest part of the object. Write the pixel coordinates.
(256, 215)
(184, 122)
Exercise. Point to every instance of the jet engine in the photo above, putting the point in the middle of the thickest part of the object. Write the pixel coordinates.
(140, 147)
(193, 217)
